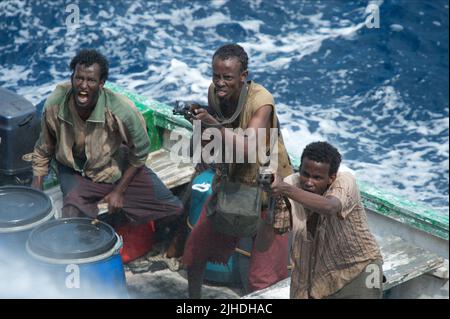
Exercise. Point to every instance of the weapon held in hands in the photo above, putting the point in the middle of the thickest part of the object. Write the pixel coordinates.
(265, 180)
(186, 109)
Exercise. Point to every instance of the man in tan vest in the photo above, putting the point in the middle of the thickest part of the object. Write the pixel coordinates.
(205, 243)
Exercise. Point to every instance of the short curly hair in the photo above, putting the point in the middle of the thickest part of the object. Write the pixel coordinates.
(323, 152)
(232, 51)
(88, 57)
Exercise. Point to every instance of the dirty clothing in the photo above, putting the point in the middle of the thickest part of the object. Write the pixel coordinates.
(205, 243)
(146, 197)
(91, 147)
(257, 97)
(92, 155)
(367, 285)
(333, 251)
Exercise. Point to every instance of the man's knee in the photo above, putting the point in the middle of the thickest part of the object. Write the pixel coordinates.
(67, 179)
(70, 211)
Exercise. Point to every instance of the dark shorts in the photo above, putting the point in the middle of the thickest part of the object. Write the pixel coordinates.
(146, 197)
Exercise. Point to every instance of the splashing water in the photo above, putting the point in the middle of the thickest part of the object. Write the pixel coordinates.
(379, 94)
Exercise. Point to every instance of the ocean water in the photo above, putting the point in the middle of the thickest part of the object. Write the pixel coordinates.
(379, 94)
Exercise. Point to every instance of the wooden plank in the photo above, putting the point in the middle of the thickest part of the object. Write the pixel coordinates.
(280, 290)
(441, 272)
(404, 261)
(172, 174)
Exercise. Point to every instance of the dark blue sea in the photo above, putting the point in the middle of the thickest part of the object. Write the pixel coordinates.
(379, 94)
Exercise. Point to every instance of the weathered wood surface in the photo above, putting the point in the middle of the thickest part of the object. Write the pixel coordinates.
(280, 290)
(402, 262)
(156, 279)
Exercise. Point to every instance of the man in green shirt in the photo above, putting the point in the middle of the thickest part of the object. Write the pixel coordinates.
(100, 144)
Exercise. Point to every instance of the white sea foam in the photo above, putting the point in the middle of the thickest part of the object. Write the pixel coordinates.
(396, 27)
(218, 3)
(294, 46)
(169, 52)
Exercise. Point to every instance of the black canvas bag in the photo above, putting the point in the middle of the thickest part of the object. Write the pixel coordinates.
(234, 208)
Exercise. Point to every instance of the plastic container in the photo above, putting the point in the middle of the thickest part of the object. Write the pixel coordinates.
(137, 240)
(21, 210)
(78, 259)
(19, 131)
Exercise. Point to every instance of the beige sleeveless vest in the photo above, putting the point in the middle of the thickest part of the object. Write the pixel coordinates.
(257, 97)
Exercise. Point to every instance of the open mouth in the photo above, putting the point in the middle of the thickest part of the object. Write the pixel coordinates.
(82, 97)
(221, 93)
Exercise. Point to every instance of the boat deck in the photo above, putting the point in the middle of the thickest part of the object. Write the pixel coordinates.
(171, 173)
(160, 278)
(402, 263)
(154, 276)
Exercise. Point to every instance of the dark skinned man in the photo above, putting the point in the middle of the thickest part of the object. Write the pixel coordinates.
(99, 142)
(335, 255)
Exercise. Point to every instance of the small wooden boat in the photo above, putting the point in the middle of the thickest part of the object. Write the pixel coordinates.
(413, 237)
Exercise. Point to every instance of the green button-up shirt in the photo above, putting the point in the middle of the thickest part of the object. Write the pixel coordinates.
(114, 120)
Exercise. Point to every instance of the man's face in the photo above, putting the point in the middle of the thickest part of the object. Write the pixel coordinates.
(228, 79)
(314, 176)
(86, 85)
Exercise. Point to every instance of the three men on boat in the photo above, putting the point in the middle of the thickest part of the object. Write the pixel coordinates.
(99, 144)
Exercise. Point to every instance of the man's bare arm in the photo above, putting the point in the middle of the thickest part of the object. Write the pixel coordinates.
(260, 119)
(329, 205)
(38, 182)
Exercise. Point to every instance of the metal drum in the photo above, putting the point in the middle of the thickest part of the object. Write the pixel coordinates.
(21, 210)
(78, 258)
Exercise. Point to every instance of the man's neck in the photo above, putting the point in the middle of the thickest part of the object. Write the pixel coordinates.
(83, 112)
(228, 108)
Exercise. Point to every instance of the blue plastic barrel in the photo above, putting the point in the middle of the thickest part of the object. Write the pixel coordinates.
(218, 273)
(78, 258)
(21, 210)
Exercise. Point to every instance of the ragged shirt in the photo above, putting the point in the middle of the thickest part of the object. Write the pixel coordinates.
(257, 97)
(337, 249)
(91, 147)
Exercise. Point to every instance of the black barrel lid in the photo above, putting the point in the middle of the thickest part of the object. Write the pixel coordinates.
(20, 205)
(71, 238)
